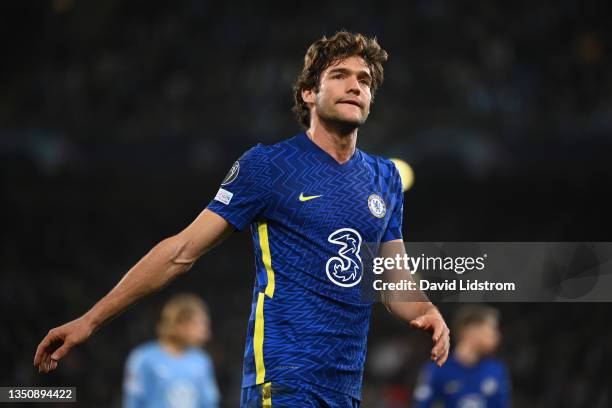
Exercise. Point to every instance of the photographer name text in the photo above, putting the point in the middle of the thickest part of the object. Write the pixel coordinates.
(446, 285)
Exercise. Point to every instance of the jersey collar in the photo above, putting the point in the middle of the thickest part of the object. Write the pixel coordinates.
(309, 145)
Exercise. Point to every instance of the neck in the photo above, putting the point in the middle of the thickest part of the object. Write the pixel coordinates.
(336, 141)
(171, 346)
(466, 354)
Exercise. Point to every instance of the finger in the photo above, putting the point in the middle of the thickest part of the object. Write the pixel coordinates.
(47, 363)
(437, 350)
(41, 349)
(443, 358)
(438, 329)
(419, 323)
(440, 345)
(61, 352)
(41, 361)
(41, 367)
(53, 364)
(444, 355)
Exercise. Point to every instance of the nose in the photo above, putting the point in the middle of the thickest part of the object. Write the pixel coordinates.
(353, 85)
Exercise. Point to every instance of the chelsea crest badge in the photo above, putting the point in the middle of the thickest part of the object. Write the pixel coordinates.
(377, 206)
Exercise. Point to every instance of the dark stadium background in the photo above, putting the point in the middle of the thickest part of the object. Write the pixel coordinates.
(118, 119)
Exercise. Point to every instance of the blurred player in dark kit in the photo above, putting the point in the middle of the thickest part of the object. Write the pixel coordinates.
(471, 378)
(173, 371)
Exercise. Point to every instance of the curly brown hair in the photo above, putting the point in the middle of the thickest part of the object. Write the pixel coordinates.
(326, 52)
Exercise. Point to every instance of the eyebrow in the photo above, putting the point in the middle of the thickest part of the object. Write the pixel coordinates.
(360, 73)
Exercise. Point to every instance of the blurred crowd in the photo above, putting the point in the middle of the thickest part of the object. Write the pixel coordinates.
(119, 119)
(218, 74)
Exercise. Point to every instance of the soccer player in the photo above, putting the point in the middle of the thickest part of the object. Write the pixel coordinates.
(173, 371)
(310, 201)
(470, 378)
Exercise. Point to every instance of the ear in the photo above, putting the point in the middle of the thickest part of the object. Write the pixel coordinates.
(308, 95)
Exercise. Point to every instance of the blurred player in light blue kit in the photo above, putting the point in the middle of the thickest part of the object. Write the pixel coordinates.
(173, 371)
(470, 378)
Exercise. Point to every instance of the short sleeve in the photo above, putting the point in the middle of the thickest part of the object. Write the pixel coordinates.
(245, 191)
(425, 390)
(135, 381)
(503, 396)
(394, 226)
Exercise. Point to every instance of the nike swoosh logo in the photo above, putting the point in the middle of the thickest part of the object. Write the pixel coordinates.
(306, 198)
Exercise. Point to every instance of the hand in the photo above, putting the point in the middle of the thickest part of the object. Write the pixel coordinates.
(432, 320)
(58, 342)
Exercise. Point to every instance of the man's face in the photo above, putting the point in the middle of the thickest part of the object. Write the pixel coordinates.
(486, 335)
(196, 331)
(344, 94)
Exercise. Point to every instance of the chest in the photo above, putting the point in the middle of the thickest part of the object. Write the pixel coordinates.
(470, 386)
(320, 201)
(168, 372)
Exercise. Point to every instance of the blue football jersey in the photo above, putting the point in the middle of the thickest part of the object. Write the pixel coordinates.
(309, 216)
(484, 385)
(156, 379)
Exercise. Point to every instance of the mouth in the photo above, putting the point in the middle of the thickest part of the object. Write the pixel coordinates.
(350, 102)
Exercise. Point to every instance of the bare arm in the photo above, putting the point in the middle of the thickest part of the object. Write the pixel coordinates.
(167, 260)
(415, 309)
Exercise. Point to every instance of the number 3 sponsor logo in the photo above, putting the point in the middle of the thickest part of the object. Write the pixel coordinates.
(346, 269)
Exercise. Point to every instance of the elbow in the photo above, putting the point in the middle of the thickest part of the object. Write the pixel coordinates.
(387, 302)
(179, 257)
(182, 267)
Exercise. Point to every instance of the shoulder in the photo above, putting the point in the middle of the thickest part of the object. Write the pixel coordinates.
(200, 356)
(261, 155)
(283, 144)
(284, 148)
(380, 164)
(261, 151)
(385, 170)
(429, 372)
(424, 389)
(145, 348)
(142, 354)
(252, 164)
(494, 366)
(198, 353)
(257, 151)
(448, 370)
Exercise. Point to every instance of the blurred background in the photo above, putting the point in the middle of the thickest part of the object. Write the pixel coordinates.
(119, 119)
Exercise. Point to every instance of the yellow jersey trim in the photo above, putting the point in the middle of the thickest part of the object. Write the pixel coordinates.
(258, 336)
(266, 257)
(266, 395)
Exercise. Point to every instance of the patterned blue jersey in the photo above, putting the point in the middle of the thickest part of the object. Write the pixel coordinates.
(484, 385)
(156, 379)
(309, 216)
